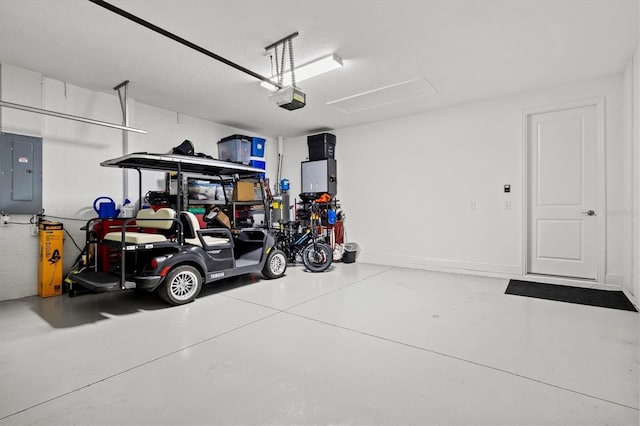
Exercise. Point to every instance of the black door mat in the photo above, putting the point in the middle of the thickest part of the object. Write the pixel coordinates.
(562, 293)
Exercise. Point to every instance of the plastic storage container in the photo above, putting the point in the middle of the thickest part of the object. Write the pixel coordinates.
(321, 146)
(235, 150)
(258, 164)
(203, 190)
(257, 147)
(228, 138)
(350, 252)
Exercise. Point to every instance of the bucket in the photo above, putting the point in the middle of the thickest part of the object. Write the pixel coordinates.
(350, 252)
(127, 211)
(105, 209)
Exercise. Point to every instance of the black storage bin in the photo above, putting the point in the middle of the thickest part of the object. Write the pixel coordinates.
(350, 252)
(321, 146)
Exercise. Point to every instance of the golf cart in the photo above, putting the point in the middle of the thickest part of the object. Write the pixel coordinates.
(167, 249)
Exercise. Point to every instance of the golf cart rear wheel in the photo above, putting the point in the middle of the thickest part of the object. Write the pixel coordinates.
(317, 257)
(276, 264)
(181, 285)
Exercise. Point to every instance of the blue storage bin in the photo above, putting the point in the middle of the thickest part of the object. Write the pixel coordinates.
(259, 164)
(257, 147)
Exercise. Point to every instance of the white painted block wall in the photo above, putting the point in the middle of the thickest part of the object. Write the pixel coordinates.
(72, 152)
(426, 190)
(18, 249)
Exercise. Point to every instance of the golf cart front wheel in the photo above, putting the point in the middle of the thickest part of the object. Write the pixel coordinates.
(276, 264)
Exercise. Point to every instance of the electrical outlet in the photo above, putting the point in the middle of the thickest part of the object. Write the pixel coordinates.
(507, 205)
(5, 219)
(472, 205)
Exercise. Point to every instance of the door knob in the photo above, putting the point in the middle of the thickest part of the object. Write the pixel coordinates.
(589, 213)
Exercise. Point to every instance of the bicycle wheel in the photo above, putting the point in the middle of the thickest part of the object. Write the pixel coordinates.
(317, 257)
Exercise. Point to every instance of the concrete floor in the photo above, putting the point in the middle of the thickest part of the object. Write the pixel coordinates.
(359, 344)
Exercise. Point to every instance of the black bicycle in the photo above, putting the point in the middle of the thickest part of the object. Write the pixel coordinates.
(315, 253)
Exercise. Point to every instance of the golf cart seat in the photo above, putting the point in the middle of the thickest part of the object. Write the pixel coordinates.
(163, 219)
(191, 228)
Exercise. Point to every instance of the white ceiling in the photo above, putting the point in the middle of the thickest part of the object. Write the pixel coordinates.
(467, 50)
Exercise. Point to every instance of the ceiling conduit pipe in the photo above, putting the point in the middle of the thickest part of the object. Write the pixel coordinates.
(181, 40)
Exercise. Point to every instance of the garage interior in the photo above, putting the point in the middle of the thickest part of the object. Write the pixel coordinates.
(479, 145)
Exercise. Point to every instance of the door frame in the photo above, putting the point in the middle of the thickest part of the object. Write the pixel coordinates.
(600, 207)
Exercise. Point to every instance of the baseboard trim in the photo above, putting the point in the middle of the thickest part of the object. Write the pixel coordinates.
(612, 281)
(444, 265)
(12, 293)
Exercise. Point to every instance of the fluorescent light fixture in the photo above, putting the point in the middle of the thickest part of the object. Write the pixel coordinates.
(308, 70)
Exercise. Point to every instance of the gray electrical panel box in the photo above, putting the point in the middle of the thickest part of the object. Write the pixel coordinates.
(20, 174)
(320, 176)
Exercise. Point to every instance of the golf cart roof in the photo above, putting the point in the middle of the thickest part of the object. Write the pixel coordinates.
(183, 163)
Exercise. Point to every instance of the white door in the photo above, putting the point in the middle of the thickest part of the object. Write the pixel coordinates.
(562, 192)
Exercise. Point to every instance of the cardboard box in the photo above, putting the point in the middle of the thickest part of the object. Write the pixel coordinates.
(50, 262)
(223, 219)
(243, 191)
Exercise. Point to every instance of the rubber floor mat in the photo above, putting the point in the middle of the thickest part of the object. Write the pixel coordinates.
(584, 296)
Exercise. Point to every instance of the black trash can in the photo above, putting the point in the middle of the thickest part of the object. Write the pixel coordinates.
(350, 252)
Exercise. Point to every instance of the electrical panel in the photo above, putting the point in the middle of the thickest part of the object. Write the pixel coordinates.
(20, 174)
(320, 176)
